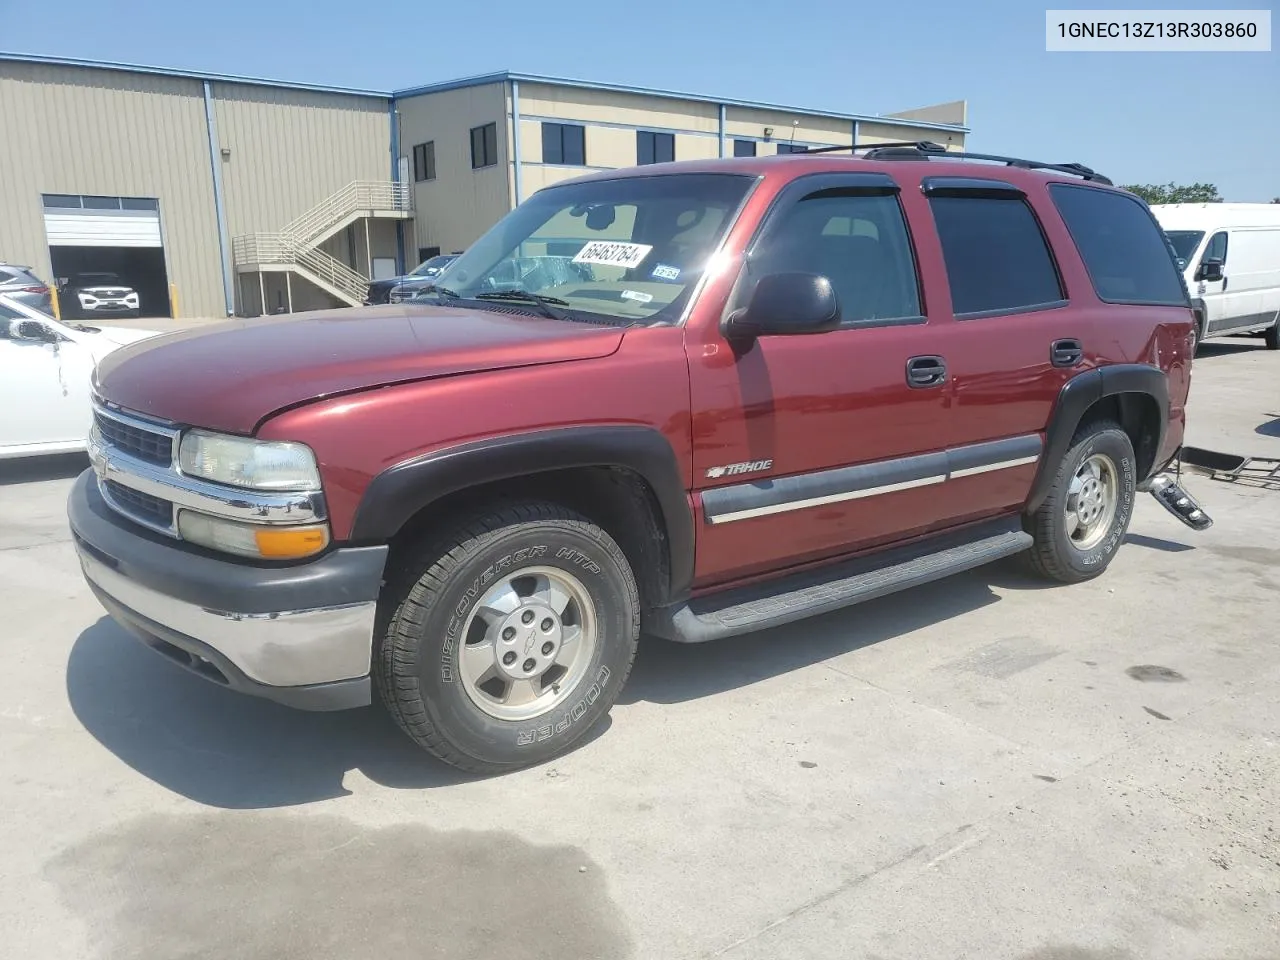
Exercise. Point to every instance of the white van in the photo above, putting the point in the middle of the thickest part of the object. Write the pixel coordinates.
(1230, 256)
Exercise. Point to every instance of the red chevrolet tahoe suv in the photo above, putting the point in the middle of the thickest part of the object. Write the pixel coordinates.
(688, 400)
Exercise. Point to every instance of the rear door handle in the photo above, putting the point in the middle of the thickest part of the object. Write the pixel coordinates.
(1066, 353)
(926, 372)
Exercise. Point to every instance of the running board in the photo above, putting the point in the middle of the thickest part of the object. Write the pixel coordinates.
(830, 588)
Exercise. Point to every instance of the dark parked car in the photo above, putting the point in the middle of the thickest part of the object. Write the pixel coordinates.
(21, 284)
(402, 288)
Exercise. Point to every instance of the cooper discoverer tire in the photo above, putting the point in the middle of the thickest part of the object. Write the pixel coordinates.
(507, 638)
(1083, 520)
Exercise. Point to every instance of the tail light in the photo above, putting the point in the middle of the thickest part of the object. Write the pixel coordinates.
(40, 289)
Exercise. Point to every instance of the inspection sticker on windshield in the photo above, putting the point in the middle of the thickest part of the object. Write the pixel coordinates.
(639, 296)
(665, 272)
(613, 253)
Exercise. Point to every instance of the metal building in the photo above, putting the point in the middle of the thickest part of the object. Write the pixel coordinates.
(212, 195)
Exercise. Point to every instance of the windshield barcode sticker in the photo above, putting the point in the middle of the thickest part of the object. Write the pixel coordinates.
(613, 253)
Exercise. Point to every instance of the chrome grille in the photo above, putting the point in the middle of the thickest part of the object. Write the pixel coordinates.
(144, 444)
(152, 511)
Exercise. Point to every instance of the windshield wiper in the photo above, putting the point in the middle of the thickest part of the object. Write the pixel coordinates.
(524, 296)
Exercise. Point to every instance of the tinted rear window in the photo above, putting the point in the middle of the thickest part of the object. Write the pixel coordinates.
(1121, 246)
(996, 256)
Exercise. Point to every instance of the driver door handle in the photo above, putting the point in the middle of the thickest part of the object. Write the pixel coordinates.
(926, 372)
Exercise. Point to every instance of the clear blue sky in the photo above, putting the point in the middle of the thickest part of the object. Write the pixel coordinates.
(1138, 117)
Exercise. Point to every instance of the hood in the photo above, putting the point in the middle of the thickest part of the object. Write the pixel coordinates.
(122, 336)
(230, 376)
(103, 288)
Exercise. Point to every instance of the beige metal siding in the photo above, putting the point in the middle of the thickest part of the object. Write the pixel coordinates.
(869, 132)
(461, 203)
(85, 131)
(811, 130)
(292, 149)
(607, 106)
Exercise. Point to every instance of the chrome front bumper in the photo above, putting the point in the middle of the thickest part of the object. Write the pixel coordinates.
(301, 635)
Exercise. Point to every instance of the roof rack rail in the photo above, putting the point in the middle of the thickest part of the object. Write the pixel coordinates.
(927, 149)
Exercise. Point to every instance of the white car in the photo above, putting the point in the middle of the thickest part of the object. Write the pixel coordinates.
(101, 294)
(45, 373)
(1230, 257)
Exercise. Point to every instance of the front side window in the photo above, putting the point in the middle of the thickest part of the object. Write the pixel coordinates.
(654, 147)
(995, 253)
(856, 240)
(1120, 243)
(626, 250)
(1216, 249)
(564, 143)
(484, 146)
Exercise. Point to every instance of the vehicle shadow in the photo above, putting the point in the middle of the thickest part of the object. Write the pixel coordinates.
(228, 750)
(1270, 428)
(1226, 347)
(61, 466)
(1156, 543)
(666, 672)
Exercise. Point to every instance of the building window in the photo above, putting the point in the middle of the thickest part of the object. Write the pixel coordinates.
(655, 147)
(564, 143)
(744, 148)
(792, 148)
(996, 256)
(424, 161)
(484, 146)
(426, 253)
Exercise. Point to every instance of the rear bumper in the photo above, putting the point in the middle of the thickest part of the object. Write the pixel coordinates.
(301, 635)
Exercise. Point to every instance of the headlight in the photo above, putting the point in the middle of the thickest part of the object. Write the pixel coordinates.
(241, 462)
(252, 539)
(396, 295)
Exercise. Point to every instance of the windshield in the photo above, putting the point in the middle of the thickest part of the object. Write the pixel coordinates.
(629, 249)
(431, 267)
(1184, 243)
(90, 279)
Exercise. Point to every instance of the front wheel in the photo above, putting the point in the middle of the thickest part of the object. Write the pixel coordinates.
(508, 639)
(1271, 336)
(1083, 520)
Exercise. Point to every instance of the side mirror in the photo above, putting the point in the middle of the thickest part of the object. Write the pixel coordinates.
(1210, 270)
(34, 330)
(786, 303)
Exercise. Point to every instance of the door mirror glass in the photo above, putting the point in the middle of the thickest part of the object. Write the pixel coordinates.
(33, 330)
(1210, 270)
(786, 303)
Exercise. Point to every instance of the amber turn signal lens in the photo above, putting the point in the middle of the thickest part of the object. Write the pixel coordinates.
(290, 543)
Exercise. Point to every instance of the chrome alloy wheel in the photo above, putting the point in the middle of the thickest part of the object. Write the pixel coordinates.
(528, 641)
(1092, 499)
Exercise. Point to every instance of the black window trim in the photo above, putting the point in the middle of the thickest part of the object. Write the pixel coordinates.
(643, 131)
(428, 169)
(975, 187)
(982, 191)
(492, 162)
(870, 184)
(1053, 187)
(561, 126)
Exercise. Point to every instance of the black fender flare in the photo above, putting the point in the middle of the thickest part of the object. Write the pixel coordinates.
(402, 490)
(1079, 394)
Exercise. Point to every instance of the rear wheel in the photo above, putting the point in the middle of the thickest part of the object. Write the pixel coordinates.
(508, 639)
(1271, 336)
(1197, 334)
(1083, 520)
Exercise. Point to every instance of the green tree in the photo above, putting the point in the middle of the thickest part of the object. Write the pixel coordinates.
(1176, 193)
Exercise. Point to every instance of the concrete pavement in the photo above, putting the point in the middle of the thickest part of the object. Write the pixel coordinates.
(983, 767)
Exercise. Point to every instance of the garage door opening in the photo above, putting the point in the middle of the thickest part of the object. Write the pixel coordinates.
(107, 256)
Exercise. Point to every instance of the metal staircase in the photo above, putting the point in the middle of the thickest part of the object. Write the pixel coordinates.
(296, 248)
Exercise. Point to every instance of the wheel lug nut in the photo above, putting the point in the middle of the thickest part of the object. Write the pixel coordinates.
(508, 658)
(547, 625)
(509, 634)
(547, 648)
(529, 665)
(527, 617)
